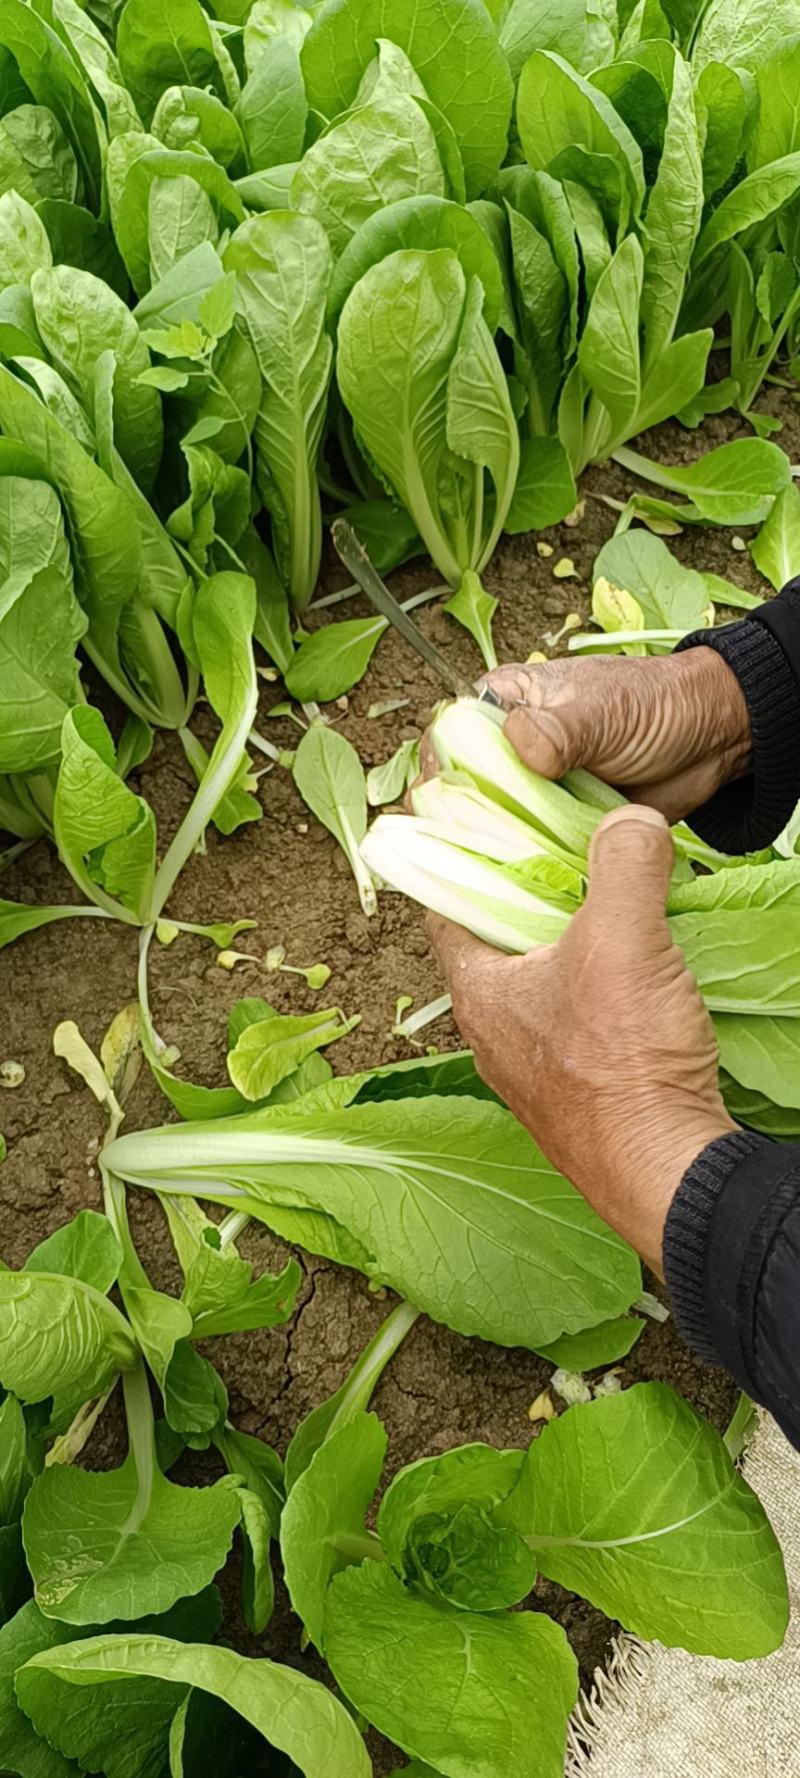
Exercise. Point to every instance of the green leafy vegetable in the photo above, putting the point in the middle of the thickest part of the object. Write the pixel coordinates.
(669, 1561)
(294, 1714)
(330, 779)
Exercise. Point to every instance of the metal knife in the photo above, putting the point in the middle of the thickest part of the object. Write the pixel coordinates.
(352, 553)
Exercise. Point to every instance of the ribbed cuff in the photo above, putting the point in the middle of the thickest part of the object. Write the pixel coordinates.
(687, 1235)
(750, 813)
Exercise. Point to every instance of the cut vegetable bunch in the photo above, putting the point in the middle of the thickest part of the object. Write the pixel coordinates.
(463, 854)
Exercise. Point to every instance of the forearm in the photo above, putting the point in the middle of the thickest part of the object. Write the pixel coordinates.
(732, 1266)
(764, 654)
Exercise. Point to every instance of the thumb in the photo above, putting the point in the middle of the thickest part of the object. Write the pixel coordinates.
(555, 714)
(630, 865)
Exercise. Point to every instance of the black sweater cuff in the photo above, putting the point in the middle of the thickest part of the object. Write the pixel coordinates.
(687, 1237)
(764, 653)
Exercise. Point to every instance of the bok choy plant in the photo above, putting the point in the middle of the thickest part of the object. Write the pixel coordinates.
(104, 831)
(420, 375)
(444, 1197)
(460, 1540)
(734, 925)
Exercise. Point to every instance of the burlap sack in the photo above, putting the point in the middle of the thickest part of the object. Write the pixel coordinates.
(660, 1713)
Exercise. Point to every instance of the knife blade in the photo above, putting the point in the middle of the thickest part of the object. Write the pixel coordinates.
(352, 553)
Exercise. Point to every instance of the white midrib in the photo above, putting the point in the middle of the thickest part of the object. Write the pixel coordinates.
(616, 1543)
(234, 1150)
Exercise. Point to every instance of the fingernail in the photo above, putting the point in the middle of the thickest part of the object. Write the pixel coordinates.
(633, 812)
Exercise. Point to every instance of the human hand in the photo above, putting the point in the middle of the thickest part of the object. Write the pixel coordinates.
(601, 1045)
(667, 732)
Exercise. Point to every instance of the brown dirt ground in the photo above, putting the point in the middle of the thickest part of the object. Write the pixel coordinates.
(287, 874)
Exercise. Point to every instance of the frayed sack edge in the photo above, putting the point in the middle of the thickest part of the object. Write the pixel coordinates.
(614, 1688)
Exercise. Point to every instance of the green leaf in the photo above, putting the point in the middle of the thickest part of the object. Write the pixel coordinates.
(673, 217)
(726, 95)
(210, 426)
(504, 1685)
(325, 1510)
(389, 782)
(223, 1296)
(222, 616)
(141, 1715)
(259, 1466)
(271, 1049)
(125, 1541)
(156, 51)
(55, 80)
(18, 332)
(195, 1398)
(634, 1503)
(14, 1472)
(481, 427)
(542, 303)
(272, 627)
(424, 222)
(217, 308)
(608, 354)
(438, 409)
(41, 625)
(275, 256)
(415, 1770)
(379, 154)
(79, 317)
(601, 1345)
(528, 25)
(470, 1475)
(16, 919)
(451, 1198)
(545, 492)
(273, 110)
(671, 596)
(330, 778)
(59, 1335)
(177, 296)
(105, 833)
(557, 109)
(189, 117)
(474, 609)
(270, 23)
(160, 376)
(463, 1558)
(724, 592)
(453, 47)
(709, 940)
(24, 245)
(293, 1713)
(762, 1055)
(731, 485)
(753, 200)
(333, 659)
(90, 49)
(180, 218)
(135, 164)
(743, 36)
(108, 558)
(85, 1248)
(777, 128)
(257, 1583)
(776, 549)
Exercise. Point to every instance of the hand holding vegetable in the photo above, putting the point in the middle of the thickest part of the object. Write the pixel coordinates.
(601, 1044)
(666, 732)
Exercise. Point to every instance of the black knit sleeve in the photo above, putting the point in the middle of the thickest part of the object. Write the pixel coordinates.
(732, 1265)
(764, 653)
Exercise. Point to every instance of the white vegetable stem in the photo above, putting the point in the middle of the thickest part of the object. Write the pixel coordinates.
(461, 885)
